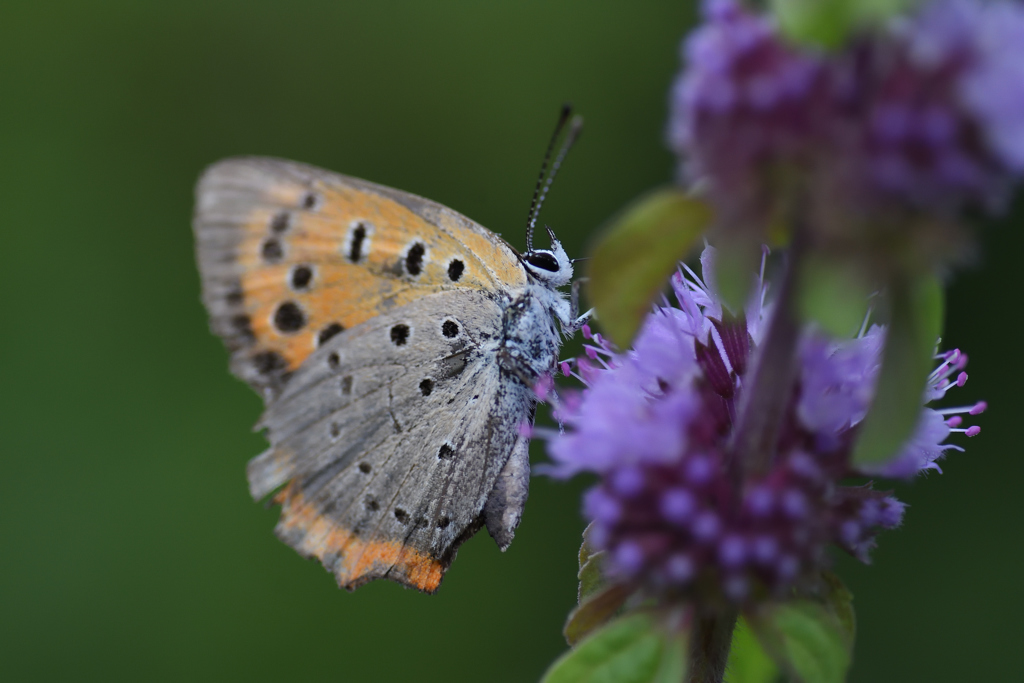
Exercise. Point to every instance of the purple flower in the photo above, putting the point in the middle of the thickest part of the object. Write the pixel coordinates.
(746, 99)
(927, 113)
(655, 423)
(945, 114)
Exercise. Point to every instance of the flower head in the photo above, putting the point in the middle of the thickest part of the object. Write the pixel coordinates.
(944, 88)
(907, 125)
(745, 103)
(655, 424)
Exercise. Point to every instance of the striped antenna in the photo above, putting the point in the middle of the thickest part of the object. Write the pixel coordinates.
(531, 218)
(570, 140)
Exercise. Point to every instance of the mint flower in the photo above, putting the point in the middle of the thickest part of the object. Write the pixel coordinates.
(654, 423)
(945, 117)
(921, 119)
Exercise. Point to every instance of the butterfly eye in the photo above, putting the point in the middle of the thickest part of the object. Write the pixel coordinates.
(542, 260)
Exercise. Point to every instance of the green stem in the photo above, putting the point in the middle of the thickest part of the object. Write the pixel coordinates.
(709, 647)
(768, 385)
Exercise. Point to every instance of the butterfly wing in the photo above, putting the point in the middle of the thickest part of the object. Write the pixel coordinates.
(394, 436)
(290, 255)
(310, 276)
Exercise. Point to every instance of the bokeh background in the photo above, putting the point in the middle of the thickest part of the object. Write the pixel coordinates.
(129, 547)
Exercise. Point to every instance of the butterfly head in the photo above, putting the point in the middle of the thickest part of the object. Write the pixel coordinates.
(550, 266)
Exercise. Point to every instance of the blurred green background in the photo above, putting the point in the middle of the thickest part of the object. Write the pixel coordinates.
(129, 547)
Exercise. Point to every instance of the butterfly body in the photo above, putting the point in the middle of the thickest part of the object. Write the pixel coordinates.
(396, 344)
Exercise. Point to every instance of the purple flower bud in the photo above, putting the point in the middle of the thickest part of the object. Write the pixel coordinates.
(699, 470)
(788, 567)
(794, 503)
(705, 527)
(601, 507)
(629, 557)
(678, 505)
(628, 481)
(732, 551)
(680, 568)
(765, 549)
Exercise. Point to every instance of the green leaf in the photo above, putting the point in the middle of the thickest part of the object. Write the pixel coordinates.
(591, 574)
(805, 639)
(636, 255)
(828, 23)
(838, 600)
(593, 611)
(632, 649)
(834, 295)
(917, 312)
(748, 662)
(733, 274)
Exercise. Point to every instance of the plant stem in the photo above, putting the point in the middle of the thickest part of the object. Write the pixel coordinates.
(769, 382)
(709, 647)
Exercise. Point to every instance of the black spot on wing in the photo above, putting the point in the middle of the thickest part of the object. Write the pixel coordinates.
(414, 259)
(301, 277)
(268, 362)
(455, 270)
(310, 201)
(280, 222)
(328, 332)
(242, 326)
(289, 318)
(399, 335)
(272, 251)
(355, 248)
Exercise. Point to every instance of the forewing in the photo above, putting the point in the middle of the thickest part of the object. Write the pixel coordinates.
(390, 439)
(290, 255)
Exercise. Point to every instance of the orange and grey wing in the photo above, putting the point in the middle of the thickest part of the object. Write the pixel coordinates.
(290, 255)
(396, 440)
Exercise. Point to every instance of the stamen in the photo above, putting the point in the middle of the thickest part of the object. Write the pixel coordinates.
(864, 324)
(977, 409)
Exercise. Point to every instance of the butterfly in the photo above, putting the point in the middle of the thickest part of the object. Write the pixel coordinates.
(397, 345)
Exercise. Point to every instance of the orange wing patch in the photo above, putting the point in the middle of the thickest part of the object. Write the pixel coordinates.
(353, 560)
(291, 255)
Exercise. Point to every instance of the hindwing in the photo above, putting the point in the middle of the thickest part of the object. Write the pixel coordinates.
(393, 436)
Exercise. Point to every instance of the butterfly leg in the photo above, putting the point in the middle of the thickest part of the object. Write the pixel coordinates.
(574, 320)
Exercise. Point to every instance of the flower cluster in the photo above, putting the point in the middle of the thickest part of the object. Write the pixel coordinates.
(655, 424)
(945, 104)
(746, 102)
(926, 114)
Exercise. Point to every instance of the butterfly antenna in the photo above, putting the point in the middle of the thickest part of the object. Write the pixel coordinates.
(570, 140)
(531, 218)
